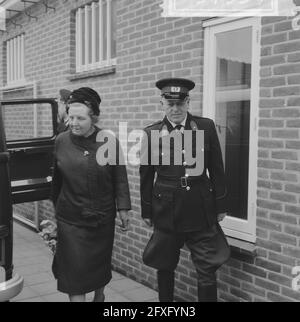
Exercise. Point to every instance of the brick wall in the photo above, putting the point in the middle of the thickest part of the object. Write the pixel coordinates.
(267, 276)
(148, 48)
(279, 177)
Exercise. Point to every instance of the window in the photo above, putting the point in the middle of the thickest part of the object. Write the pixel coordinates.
(15, 60)
(231, 91)
(96, 35)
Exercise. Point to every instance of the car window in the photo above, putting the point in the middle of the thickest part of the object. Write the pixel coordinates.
(28, 121)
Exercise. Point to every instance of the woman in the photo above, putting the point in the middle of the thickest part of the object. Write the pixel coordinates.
(86, 196)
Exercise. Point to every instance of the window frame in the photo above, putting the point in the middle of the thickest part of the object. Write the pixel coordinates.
(15, 61)
(79, 39)
(235, 227)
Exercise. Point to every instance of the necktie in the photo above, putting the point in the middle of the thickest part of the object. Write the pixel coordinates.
(178, 127)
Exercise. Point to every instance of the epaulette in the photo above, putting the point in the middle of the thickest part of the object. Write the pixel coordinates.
(197, 120)
(155, 123)
(201, 117)
(198, 117)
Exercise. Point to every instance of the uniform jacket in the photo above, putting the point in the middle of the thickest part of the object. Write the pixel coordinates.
(191, 205)
(85, 193)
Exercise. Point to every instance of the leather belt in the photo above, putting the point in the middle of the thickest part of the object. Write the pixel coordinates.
(183, 182)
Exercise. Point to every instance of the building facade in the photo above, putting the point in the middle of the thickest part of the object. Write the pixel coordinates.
(247, 75)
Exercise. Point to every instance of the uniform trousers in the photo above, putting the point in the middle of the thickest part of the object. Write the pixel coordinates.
(209, 250)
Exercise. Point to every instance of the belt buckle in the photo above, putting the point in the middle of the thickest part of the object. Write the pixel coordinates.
(183, 181)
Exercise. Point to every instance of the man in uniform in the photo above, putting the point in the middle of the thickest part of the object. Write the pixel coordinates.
(62, 116)
(183, 208)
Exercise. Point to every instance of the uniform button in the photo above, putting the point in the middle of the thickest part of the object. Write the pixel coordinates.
(183, 152)
(184, 163)
(187, 175)
(188, 188)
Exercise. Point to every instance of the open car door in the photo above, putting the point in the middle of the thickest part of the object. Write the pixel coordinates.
(30, 141)
(27, 135)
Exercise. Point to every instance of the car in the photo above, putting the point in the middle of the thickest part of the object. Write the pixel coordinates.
(25, 173)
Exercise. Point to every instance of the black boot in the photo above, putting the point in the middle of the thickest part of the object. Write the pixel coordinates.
(165, 280)
(207, 293)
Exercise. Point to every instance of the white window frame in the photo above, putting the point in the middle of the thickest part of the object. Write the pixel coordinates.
(83, 41)
(235, 227)
(15, 61)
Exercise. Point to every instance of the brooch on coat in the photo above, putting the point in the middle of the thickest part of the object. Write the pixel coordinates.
(86, 153)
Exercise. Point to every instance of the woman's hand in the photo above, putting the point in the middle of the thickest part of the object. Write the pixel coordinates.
(124, 217)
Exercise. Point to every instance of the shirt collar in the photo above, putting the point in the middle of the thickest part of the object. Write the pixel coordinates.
(182, 123)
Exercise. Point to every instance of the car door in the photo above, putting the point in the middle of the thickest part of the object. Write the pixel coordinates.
(27, 134)
(5, 211)
(30, 128)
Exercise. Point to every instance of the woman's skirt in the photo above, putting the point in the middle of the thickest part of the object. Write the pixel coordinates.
(82, 262)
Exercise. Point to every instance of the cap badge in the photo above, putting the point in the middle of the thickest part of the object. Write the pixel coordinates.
(175, 89)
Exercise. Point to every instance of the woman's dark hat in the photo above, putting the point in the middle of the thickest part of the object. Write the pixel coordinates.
(87, 96)
(175, 88)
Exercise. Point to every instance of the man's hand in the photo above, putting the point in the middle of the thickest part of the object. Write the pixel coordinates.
(148, 222)
(221, 216)
(124, 217)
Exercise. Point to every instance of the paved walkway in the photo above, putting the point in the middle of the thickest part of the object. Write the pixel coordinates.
(32, 260)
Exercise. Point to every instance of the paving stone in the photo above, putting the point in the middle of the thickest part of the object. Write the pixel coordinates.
(26, 293)
(140, 295)
(37, 278)
(56, 297)
(34, 299)
(32, 260)
(124, 284)
(116, 276)
(109, 290)
(32, 269)
(154, 299)
(45, 288)
(115, 297)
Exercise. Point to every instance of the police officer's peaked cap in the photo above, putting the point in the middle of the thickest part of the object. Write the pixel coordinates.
(64, 94)
(175, 88)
